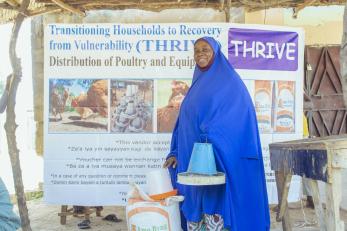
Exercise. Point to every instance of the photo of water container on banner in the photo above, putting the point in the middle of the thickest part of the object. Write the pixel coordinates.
(263, 99)
(284, 107)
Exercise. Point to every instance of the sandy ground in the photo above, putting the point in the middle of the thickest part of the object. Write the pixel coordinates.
(72, 122)
(44, 218)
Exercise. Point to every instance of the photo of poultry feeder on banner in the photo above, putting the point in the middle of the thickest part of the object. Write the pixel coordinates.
(132, 106)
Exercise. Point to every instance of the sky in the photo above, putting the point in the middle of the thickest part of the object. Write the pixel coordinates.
(32, 165)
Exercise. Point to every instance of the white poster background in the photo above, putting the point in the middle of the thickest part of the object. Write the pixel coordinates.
(94, 168)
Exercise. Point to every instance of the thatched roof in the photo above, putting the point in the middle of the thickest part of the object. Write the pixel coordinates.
(9, 8)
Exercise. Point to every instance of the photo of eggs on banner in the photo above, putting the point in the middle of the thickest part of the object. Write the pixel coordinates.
(131, 106)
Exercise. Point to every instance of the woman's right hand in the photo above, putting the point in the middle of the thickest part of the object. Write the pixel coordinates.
(171, 161)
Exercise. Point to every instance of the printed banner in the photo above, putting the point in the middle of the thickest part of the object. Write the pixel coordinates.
(113, 93)
(263, 49)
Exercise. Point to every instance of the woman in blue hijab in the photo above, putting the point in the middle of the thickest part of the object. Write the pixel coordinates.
(218, 109)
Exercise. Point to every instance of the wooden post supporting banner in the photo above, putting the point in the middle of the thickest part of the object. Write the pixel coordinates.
(10, 124)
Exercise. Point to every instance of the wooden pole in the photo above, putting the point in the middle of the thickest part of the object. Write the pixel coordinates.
(10, 124)
(227, 11)
(343, 56)
(69, 8)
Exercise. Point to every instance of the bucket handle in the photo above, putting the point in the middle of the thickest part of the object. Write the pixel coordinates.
(203, 138)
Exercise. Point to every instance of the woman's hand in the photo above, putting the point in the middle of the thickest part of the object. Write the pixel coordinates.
(171, 161)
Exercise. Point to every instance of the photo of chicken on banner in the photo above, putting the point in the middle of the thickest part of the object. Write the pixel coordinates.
(170, 96)
(78, 105)
(131, 106)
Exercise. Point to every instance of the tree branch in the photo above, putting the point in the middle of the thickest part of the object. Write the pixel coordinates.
(46, 10)
(13, 3)
(6, 6)
(10, 124)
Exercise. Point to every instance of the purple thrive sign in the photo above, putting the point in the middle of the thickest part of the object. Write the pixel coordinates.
(263, 49)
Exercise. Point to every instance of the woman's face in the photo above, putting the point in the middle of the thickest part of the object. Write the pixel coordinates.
(203, 53)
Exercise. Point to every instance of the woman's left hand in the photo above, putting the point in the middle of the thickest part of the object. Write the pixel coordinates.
(172, 161)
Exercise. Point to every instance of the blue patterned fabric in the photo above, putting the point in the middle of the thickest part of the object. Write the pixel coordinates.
(9, 221)
(218, 108)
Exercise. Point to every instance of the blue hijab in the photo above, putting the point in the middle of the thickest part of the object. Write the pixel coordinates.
(9, 221)
(218, 109)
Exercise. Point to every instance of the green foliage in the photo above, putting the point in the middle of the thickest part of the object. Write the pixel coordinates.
(34, 195)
